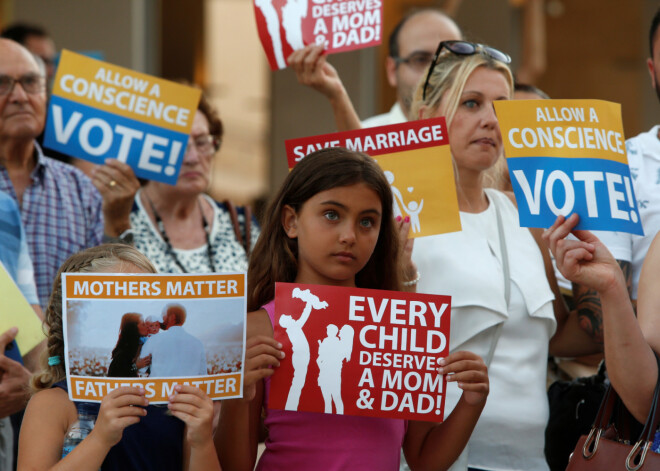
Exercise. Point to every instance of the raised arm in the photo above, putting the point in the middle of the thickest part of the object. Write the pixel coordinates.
(588, 304)
(630, 361)
(313, 70)
(632, 355)
(570, 339)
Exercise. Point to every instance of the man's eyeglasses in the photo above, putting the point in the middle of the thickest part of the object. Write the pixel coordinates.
(32, 83)
(205, 145)
(418, 60)
(464, 48)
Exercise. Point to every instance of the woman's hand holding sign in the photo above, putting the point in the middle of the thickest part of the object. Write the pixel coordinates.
(118, 185)
(585, 260)
(313, 70)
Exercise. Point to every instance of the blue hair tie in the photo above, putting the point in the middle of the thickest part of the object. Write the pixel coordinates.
(56, 360)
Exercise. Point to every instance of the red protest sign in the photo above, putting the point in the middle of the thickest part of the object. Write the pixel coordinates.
(379, 140)
(360, 352)
(340, 25)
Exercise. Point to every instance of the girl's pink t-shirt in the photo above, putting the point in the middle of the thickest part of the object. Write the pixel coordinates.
(310, 440)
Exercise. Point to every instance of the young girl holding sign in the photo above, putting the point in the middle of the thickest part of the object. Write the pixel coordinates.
(128, 434)
(331, 223)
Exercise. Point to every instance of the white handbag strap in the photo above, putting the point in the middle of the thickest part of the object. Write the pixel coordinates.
(507, 284)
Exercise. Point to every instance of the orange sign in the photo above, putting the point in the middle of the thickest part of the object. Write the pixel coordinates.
(153, 331)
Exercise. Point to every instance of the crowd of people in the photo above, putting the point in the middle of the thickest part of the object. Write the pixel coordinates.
(330, 223)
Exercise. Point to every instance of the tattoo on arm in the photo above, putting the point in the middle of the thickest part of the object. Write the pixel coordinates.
(588, 307)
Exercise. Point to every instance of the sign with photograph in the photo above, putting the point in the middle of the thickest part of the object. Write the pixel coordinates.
(416, 159)
(99, 111)
(569, 156)
(153, 331)
(340, 25)
(360, 352)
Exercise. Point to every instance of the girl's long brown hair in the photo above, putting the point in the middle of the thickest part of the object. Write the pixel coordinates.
(275, 256)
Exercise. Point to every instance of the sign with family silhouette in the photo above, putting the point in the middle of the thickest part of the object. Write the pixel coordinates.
(340, 25)
(153, 331)
(569, 156)
(99, 110)
(360, 351)
(417, 162)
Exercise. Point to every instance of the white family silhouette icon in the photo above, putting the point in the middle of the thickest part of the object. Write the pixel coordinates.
(333, 350)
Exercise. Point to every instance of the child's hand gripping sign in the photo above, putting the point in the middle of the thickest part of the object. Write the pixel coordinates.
(99, 110)
(569, 156)
(360, 352)
(153, 331)
(416, 159)
(340, 25)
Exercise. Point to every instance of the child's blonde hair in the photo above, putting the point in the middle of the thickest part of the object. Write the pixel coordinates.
(95, 259)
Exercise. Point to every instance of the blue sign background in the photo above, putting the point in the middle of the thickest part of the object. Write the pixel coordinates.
(73, 147)
(545, 218)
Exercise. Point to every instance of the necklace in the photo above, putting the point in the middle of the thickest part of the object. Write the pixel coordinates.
(170, 249)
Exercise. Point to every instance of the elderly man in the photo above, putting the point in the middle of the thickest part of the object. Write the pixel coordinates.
(36, 40)
(411, 47)
(174, 352)
(60, 208)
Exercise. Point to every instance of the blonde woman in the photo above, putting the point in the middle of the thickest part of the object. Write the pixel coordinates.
(506, 305)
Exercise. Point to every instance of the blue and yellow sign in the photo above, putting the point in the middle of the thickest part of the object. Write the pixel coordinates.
(569, 156)
(99, 111)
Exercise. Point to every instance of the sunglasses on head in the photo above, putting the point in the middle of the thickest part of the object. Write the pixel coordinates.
(464, 48)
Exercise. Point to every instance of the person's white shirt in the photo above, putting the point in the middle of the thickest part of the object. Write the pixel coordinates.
(644, 160)
(394, 116)
(174, 352)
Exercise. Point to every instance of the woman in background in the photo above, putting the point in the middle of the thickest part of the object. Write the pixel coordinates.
(179, 227)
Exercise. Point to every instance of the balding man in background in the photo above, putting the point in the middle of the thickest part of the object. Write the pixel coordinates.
(60, 208)
(411, 47)
(36, 40)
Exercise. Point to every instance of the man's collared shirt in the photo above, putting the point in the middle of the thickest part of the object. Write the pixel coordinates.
(61, 213)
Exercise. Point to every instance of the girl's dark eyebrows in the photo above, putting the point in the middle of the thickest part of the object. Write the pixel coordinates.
(371, 211)
(334, 203)
(343, 206)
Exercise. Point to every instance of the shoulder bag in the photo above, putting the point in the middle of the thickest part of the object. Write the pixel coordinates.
(609, 445)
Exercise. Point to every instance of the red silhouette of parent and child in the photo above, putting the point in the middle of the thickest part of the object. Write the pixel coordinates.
(333, 350)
